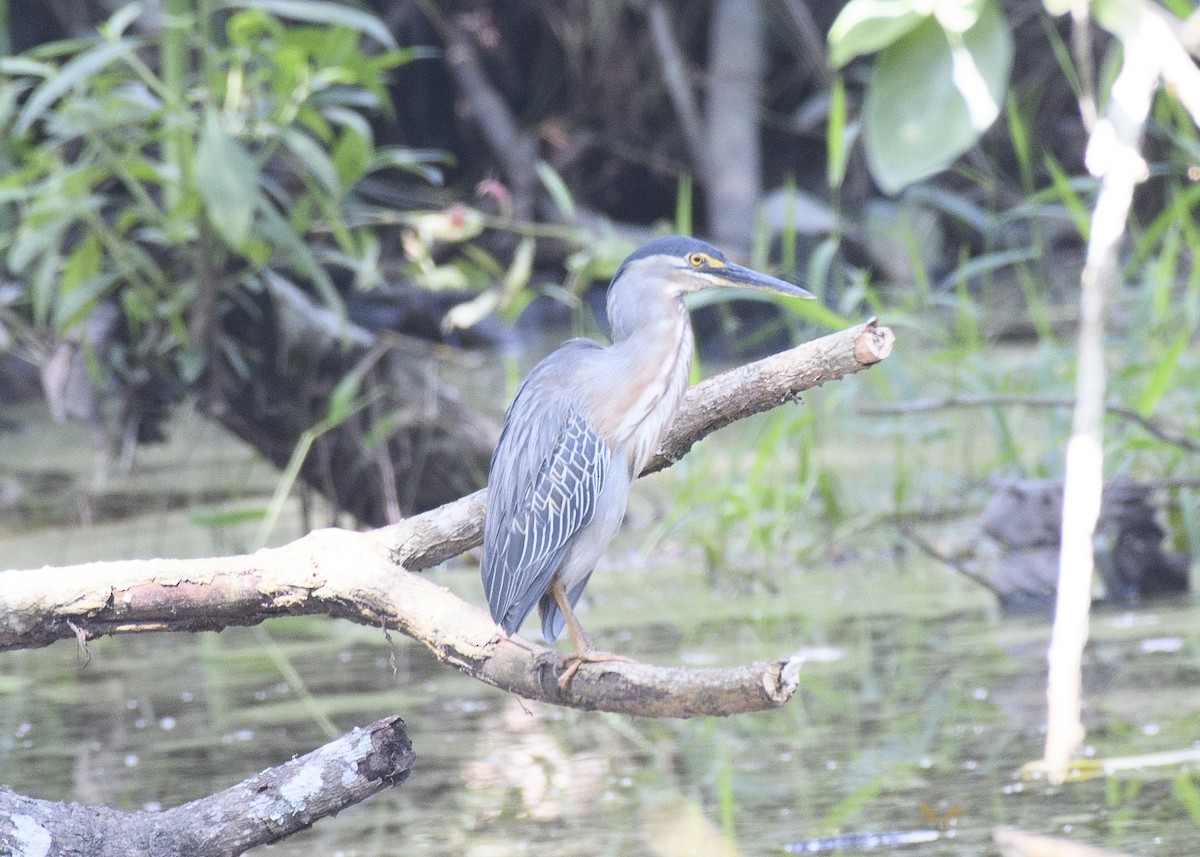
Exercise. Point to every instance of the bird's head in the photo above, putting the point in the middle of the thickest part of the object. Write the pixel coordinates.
(678, 265)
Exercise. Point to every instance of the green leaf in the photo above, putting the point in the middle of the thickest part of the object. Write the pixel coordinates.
(1065, 191)
(120, 20)
(318, 12)
(43, 286)
(520, 271)
(932, 94)
(987, 263)
(1160, 377)
(83, 262)
(1187, 794)
(341, 401)
(557, 189)
(313, 158)
(351, 157)
(416, 161)
(224, 518)
(683, 205)
(227, 179)
(836, 137)
(73, 306)
(275, 228)
(76, 70)
(867, 26)
(957, 16)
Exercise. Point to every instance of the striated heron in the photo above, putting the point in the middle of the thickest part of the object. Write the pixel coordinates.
(583, 424)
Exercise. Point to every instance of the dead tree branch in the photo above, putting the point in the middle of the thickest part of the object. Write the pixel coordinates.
(1153, 428)
(266, 808)
(368, 577)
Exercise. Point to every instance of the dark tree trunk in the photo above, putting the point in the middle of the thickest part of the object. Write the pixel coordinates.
(412, 446)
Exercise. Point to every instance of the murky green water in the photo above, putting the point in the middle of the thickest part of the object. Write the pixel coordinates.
(916, 708)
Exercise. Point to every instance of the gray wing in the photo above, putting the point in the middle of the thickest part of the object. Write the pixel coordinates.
(546, 474)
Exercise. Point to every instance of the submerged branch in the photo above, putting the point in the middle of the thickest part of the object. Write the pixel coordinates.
(368, 577)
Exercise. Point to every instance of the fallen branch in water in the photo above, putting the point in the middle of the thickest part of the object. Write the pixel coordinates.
(368, 577)
(265, 808)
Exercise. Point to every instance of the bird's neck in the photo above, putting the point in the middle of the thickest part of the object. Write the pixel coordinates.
(633, 309)
(653, 351)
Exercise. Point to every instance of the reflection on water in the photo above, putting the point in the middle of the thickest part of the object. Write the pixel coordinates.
(916, 716)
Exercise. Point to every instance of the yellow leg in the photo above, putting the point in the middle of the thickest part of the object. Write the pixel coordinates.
(584, 653)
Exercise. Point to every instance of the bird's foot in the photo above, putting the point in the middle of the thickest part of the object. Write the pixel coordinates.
(590, 656)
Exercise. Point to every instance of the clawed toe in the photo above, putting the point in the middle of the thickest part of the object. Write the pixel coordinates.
(591, 656)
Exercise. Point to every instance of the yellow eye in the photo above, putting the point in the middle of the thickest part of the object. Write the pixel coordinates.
(696, 260)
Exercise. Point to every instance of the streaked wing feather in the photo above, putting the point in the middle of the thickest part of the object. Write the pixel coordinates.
(546, 475)
(560, 501)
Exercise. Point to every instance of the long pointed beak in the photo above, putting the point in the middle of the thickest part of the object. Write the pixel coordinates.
(747, 278)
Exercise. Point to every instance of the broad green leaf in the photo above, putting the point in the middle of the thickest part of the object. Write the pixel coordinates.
(319, 12)
(928, 101)
(76, 70)
(957, 16)
(37, 237)
(227, 179)
(867, 26)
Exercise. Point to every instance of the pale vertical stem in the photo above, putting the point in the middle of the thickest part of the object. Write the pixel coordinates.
(1113, 155)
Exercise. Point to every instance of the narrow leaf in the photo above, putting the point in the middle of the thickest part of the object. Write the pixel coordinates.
(74, 71)
(313, 158)
(227, 179)
(835, 135)
(557, 189)
(319, 12)
(1160, 378)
